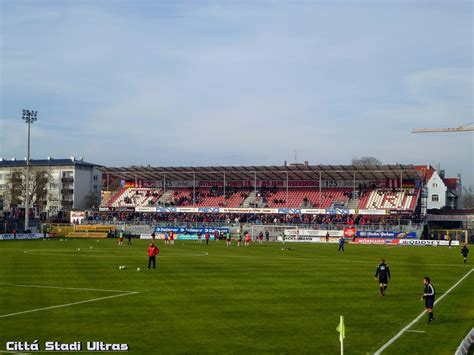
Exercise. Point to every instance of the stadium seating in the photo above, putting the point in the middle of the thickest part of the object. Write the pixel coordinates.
(296, 197)
(132, 197)
(204, 198)
(405, 199)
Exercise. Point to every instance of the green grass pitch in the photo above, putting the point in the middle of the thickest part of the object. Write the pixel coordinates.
(215, 299)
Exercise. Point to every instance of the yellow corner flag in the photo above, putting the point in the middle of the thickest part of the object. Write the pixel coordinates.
(341, 328)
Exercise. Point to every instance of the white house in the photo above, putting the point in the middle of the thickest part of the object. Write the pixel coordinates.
(436, 192)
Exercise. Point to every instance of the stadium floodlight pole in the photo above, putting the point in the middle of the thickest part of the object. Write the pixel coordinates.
(224, 184)
(354, 185)
(320, 183)
(255, 182)
(287, 204)
(164, 182)
(29, 117)
(194, 188)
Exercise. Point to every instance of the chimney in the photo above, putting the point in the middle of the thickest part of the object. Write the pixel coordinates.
(284, 163)
(305, 163)
(441, 174)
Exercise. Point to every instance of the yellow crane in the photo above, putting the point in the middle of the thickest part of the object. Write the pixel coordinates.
(464, 128)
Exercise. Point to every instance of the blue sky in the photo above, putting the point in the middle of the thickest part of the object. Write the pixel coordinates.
(238, 82)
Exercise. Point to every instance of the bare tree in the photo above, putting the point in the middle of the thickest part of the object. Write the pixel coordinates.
(38, 189)
(467, 200)
(92, 200)
(366, 161)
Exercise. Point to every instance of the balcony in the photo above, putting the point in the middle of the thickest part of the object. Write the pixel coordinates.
(66, 180)
(66, 203)
(67, 191)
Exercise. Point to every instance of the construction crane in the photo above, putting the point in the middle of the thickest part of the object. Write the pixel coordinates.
(464, 128)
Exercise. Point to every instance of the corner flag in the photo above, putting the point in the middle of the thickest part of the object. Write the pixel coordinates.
(341, 328)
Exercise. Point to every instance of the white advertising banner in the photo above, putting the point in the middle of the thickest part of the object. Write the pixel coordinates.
(300, 239)
(320, 233)
(419, 242)
(373, 212)
(21, 236)
(312, 211)
(145, 209)
(77, 217)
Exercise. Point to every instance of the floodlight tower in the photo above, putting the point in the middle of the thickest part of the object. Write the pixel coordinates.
(29, 117)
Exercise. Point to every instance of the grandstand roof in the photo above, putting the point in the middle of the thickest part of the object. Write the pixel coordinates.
(298, 172)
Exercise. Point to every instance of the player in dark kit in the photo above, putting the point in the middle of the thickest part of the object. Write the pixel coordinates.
(429, 298)
(382, 274)
(341, 244)
(465, 252)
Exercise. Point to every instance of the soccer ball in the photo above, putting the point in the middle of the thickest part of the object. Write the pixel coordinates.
(138, 269)
(78, 249)
(90, 247)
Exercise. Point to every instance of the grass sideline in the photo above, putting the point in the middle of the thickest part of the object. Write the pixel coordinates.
(214, 299)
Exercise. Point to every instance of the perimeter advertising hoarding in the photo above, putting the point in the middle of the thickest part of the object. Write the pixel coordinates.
(184, 230)
(375, 241)
(386, 234)
(21, 236)
(316, 233)
(313, 211)
(419, 242)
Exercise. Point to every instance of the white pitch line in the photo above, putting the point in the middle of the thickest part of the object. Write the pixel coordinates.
(415, 331)
(404, 329)
(66, 305)
(65, 288)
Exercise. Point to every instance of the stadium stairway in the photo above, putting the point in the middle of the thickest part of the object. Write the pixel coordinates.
(164, 198)
(249, 200)
(353, 203)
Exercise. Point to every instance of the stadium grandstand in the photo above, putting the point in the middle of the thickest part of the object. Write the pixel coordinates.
(391, 188)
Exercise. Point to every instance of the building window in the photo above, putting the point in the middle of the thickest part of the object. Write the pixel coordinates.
(95, 188)
(435, 185)
(3, 187)
(435, 198)
(95, 178)
(53, 186)
(67, 174)
(1, 176)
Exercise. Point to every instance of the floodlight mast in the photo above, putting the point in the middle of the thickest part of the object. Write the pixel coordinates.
(29, 117)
